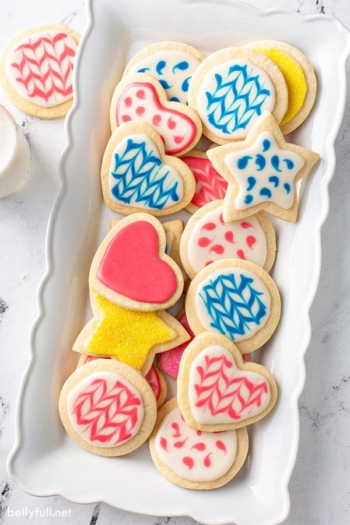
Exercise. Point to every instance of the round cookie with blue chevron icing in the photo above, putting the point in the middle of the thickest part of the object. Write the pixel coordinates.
(171, 63)
(137, 175)
(237, 299)
(231, 88)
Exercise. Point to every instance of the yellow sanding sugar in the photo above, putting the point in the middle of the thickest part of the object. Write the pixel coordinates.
(294, 77)
(127, 335)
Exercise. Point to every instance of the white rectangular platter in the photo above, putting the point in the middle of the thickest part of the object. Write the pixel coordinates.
(44, 460)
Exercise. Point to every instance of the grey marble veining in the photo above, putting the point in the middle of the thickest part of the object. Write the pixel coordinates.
(320, 483)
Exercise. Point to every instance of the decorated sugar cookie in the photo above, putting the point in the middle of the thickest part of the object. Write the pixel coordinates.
(231, 88)
(173, 231)
(299, 76)
(171, 63)
(169, 361)
(107, 407)
(193, 459)
(131, 268)
(153, 376)
(262, 172)
(36, 70)
(207, 238)
(130, 336)
(137, 176)
(237, 299)
(139, 97)
(217, 390)
(209, 183)
(158, 385)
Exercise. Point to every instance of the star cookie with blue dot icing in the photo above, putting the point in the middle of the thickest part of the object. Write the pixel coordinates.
(262, 172)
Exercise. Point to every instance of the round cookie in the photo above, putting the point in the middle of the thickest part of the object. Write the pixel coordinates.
(207, 238)
(137, 175)
(158, 385)
(192, 459)
(107, 407)
(139, 97)
(237, 299)
(231, 88)
(171, 63)
(217, 390)
(299, 76)
(131, 268)
(25, 74)
(210, 185)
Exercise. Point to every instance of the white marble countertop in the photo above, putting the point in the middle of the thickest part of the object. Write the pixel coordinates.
(320, 483)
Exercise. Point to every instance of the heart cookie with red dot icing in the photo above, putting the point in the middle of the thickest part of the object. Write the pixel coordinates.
(217, 390)
(139, 97)
(131, 268)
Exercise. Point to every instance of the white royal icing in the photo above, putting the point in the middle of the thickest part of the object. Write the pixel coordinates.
(194, 455)
(229, 109)
(173, 69)
(105, 409)
(137, 176)
(40, 67)
(234, 302)
(212, 239)
(264, 175)
(221, 393)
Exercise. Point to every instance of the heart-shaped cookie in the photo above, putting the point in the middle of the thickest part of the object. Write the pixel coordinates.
(131, 268)
(137, 176)
(139, 97)
(217, 390)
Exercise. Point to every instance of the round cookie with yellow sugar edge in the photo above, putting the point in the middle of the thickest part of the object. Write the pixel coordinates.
(193, 459)
(299, 76)
(36, 70)
(107, 407)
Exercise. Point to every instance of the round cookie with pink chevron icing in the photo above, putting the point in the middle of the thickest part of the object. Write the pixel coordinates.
(237, 299)
(36, 70)
(171, 63)
(217, 390)
(208, 238)
(193, 459)
(137, 175)
(139, 97)
(107, 407)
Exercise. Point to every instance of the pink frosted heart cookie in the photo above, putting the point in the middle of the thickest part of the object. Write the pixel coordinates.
(139, 97)
(193, 459)
(131, 269)
(107, 407)
(217, 390)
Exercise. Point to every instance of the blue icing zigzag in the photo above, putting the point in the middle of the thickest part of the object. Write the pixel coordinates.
(142, 179)
(236, 99)
(233, 306)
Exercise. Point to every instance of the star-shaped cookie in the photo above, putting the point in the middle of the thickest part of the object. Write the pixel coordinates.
(262, 172)
(129, 336)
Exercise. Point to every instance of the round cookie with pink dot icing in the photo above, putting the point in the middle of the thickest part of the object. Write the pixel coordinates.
(208, 238)
(193, 459)
(107, 407)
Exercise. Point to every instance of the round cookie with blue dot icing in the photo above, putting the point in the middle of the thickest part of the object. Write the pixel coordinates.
(171, 63)
(262, 172)
(237, 299)
(231, 88)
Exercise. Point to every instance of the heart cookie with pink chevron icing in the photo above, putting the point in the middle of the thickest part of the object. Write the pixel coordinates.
(139, 97)
(218, 391)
